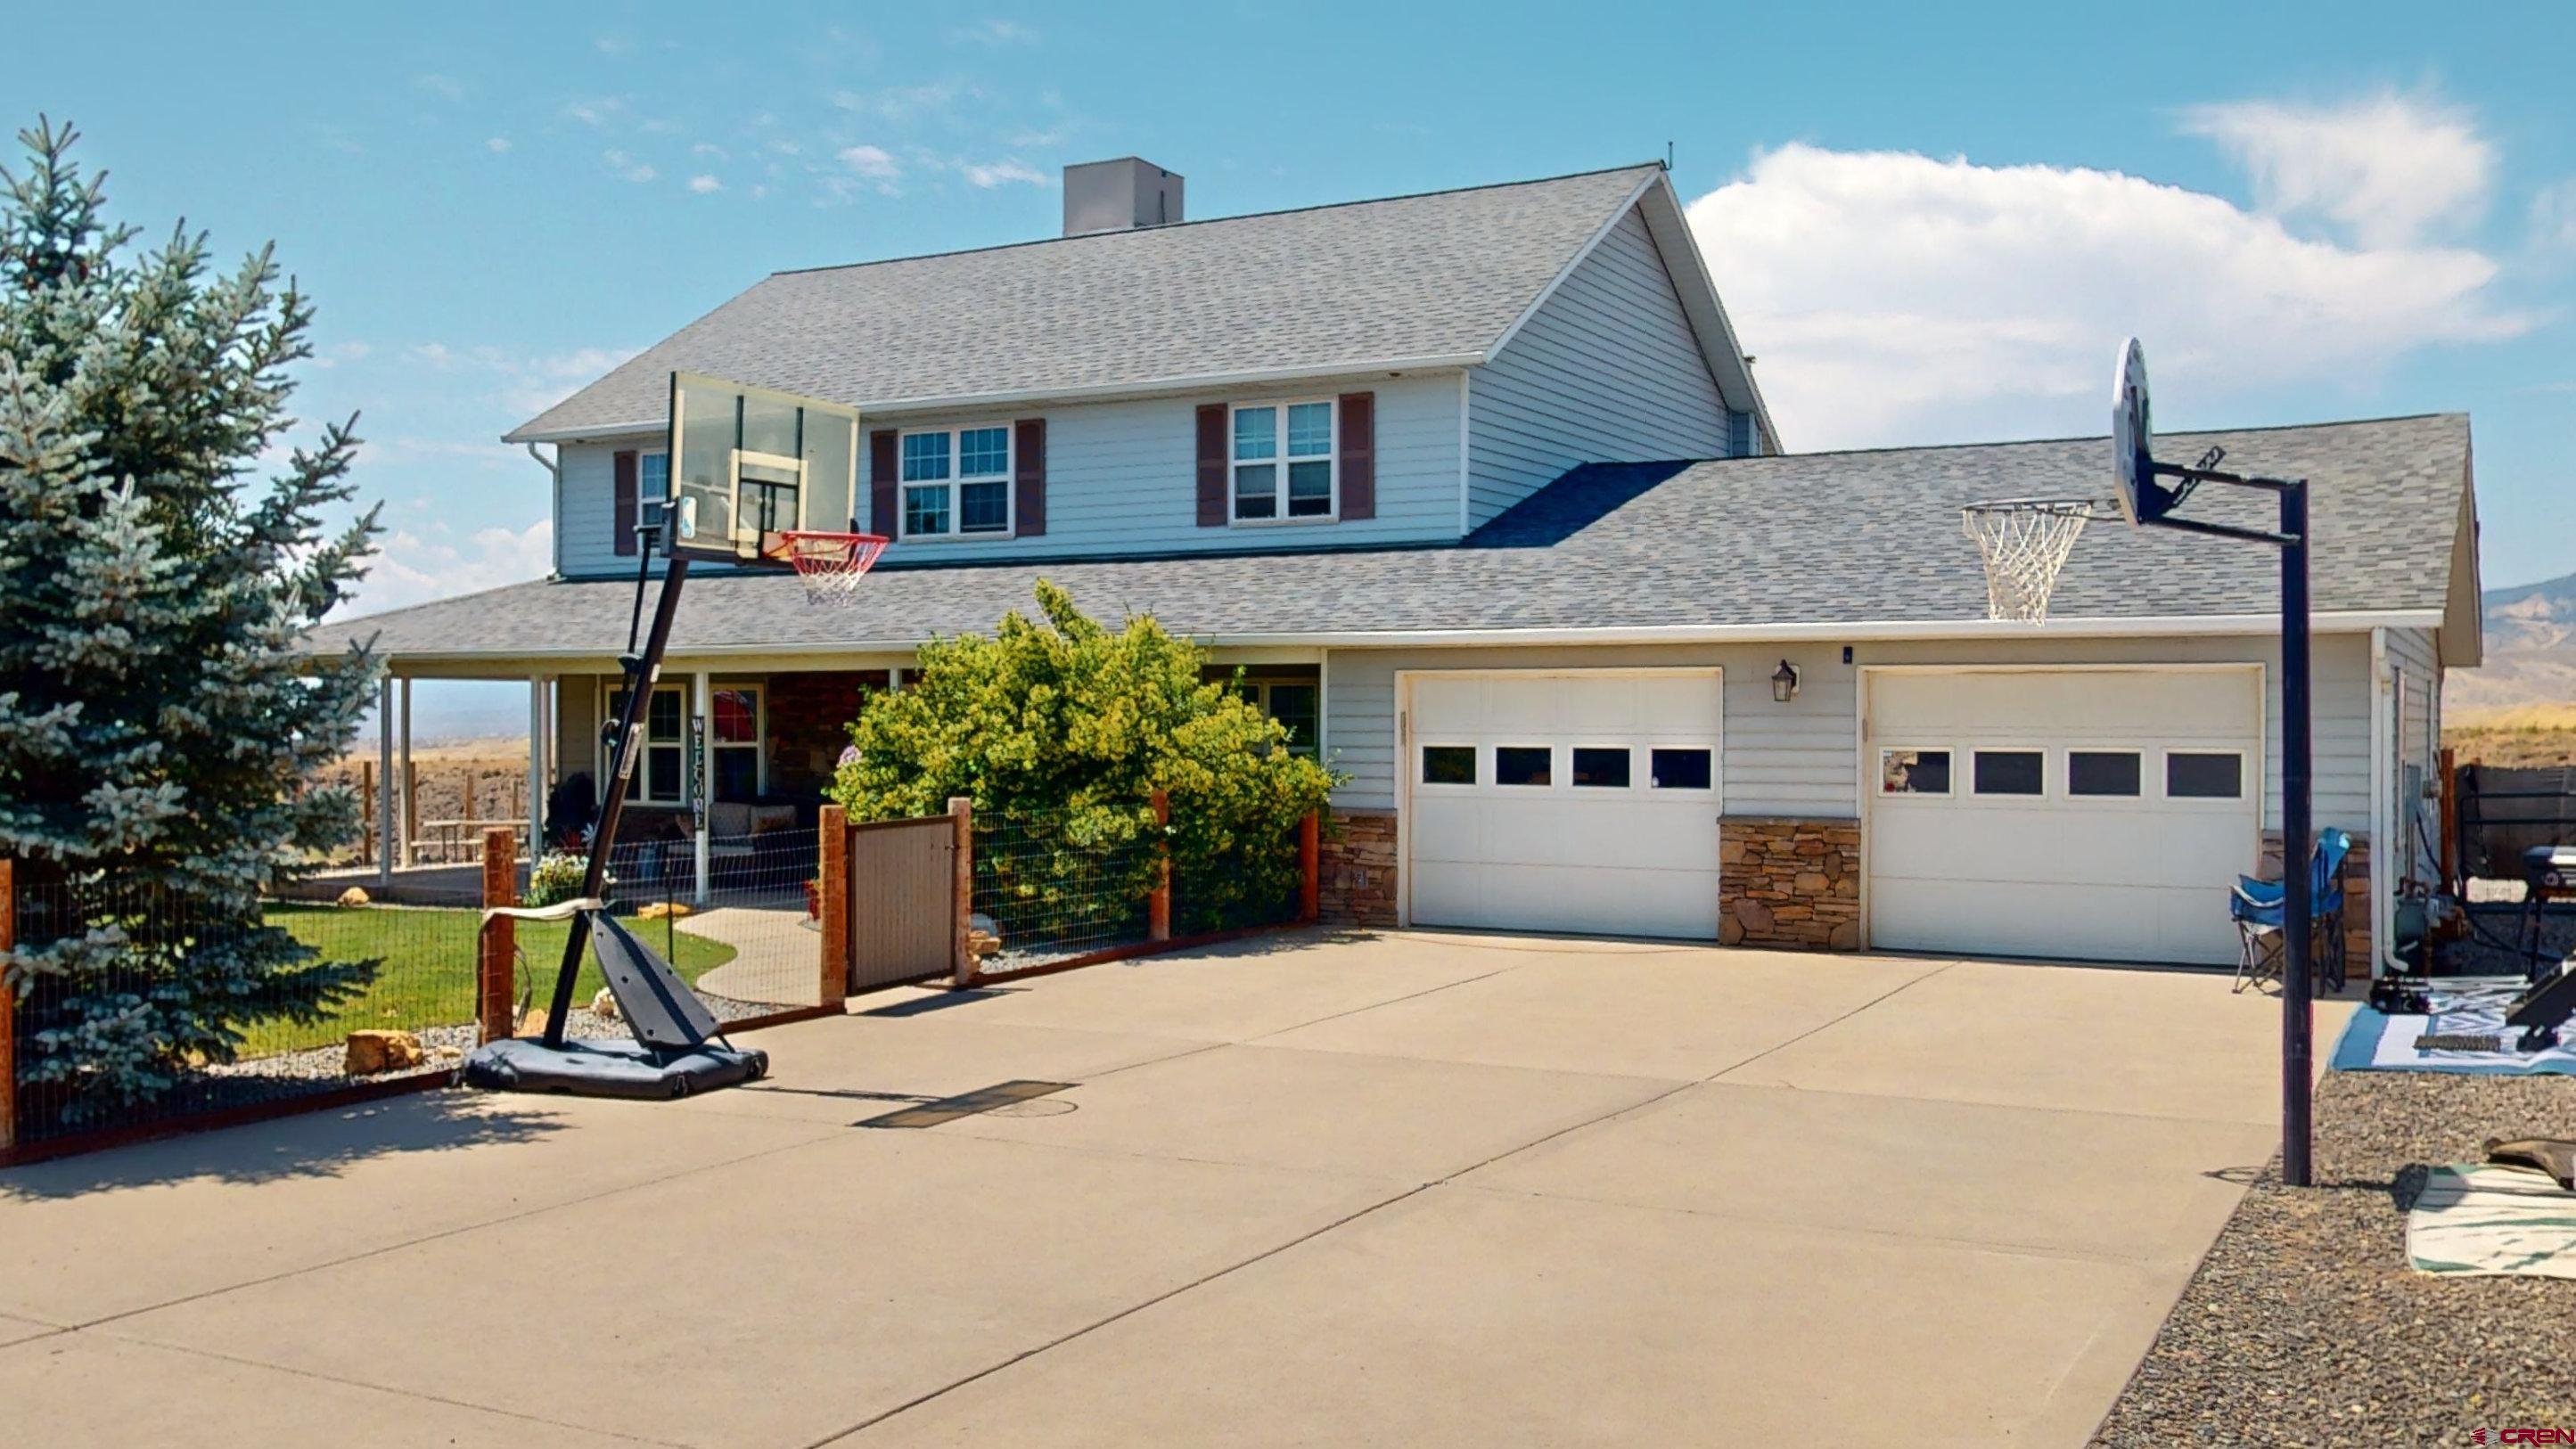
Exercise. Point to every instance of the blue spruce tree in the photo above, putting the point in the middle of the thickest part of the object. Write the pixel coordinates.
(159, 720)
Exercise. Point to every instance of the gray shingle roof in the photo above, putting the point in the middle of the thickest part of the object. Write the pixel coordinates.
(1825, 538)
(1438, 275)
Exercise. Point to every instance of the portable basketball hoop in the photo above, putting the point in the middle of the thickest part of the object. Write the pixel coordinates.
(756, 477)
(830, 565)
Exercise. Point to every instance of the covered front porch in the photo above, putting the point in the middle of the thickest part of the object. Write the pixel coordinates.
(737, 753)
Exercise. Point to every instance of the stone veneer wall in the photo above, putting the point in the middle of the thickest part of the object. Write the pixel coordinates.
(1793, 883)
(2356, 897)
(1358, 868)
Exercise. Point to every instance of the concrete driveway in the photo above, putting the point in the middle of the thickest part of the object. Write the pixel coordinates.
(1398, 1189)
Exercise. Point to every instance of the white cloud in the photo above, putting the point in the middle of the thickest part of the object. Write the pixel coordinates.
(711, 150)
(627, 166)
(872, 162)
(614, 44)
(497, 145)
(704, 185)
(2553, 215)
(902, 103)
(989, 174)
(600, 112)
(1896, 298)
(340, 352)
(2391, 168)
(446, 87)
(995, 32)
(412, 568)
(525, 384)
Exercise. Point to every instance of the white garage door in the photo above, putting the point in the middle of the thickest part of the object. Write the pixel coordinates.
(2091, 814)
(1564, 802)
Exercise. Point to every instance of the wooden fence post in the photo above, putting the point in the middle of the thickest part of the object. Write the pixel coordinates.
(8, 1011)
(961, 810)
(1158, 906)
(496, 993)
(832, 899)
(1310, 867)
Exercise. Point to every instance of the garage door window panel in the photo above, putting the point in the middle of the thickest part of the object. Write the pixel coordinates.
(1601, 767)
(1913, 771)
(2009, 773)
(2204, 775)
(2104, 774)
(1448, 765)
(1682, 769)
(1524, 765)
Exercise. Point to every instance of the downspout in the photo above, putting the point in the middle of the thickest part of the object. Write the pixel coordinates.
(2381, 808)
(554, 470)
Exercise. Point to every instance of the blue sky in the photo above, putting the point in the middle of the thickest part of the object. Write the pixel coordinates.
(1931, 223)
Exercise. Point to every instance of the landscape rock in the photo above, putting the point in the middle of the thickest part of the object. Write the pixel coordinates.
(371, 1052)
(354, 896)
(603, 1004)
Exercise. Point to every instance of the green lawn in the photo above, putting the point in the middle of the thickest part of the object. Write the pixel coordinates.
(427, 978)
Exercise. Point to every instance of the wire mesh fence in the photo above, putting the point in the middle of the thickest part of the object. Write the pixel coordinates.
(749, 942)
(1051, 886)
(137, 1003)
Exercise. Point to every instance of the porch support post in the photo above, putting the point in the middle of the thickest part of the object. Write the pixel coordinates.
(385, 826)
(540, 735)
(703, 705)
(410, 786)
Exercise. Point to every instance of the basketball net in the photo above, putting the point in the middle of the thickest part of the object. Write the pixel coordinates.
(830, 565)
(2024, 542)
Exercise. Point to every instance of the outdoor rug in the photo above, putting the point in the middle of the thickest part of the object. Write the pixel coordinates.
(2490, 1220)
(2468, 1006)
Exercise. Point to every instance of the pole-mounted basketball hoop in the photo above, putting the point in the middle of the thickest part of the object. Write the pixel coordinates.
(2025, 542)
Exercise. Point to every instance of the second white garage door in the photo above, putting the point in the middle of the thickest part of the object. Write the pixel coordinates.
(2092, 814)
(1583, 802)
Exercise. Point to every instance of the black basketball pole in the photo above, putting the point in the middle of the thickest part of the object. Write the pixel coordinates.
(641, 675)
(2297, 1024)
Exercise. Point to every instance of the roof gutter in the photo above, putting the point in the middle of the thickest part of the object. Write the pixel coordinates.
(1436, 362)
(1882, 631)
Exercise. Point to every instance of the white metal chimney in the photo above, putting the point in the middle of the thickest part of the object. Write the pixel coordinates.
(1119, 195)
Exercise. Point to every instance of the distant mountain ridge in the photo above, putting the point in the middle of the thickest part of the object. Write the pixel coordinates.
(2530, 647)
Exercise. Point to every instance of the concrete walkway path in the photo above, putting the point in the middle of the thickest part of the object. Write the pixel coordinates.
(1394, 1189)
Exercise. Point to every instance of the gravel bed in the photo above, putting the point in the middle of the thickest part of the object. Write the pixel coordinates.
(446, 1045)
(2305, 1326)
(1005, 962)
(2475, 955)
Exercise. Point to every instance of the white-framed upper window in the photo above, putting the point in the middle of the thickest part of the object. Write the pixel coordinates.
(956, 482)
(1285, 463)
(2204, 774)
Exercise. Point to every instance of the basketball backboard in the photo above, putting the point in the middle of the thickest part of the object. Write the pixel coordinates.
(2142, 499)
(749, 465)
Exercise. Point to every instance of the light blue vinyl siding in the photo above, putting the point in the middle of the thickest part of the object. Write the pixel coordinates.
(1122, 478)
(1607, 371)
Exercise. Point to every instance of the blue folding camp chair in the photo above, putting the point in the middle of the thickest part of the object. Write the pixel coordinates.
(2256, 907)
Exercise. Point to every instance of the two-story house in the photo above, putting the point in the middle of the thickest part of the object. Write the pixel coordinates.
(1479, 489)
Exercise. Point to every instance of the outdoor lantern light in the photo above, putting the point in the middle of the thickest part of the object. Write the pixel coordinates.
(1784, 685)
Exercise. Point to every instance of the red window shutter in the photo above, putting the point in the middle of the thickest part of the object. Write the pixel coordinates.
(882, 465)
(1359, 454)
(624, 510)
(1028, 477)
(1212, 461)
